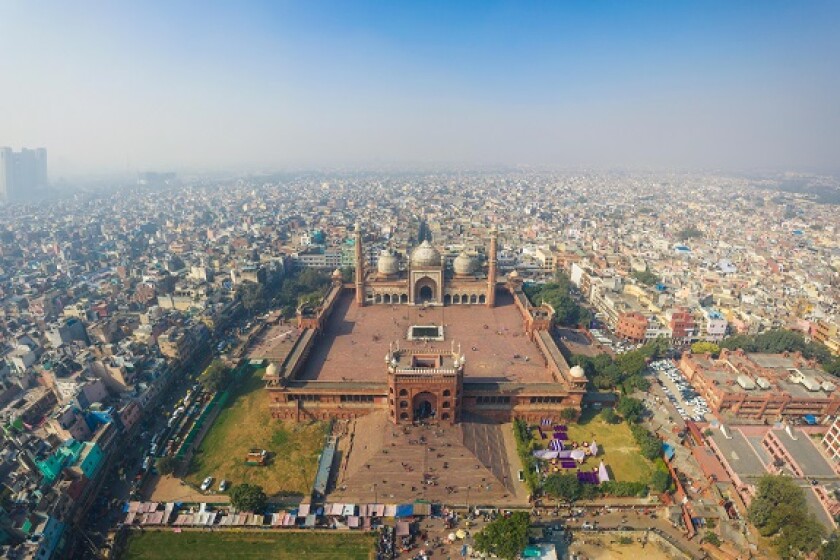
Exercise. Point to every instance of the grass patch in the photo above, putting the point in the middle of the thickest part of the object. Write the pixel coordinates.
(246, 423)
(245, 545)
(618, 449)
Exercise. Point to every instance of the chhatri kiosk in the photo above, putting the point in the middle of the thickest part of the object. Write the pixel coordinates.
(455, 340)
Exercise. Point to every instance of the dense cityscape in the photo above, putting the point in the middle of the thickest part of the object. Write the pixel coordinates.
(120, 310)
(365, 280)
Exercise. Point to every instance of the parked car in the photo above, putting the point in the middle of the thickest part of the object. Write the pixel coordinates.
(224, 485)
(205, 485)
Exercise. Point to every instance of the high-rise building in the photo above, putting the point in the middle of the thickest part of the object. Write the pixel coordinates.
(22, 173)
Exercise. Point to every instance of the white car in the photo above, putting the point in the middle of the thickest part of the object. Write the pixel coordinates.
(223, 485)
(205, 485)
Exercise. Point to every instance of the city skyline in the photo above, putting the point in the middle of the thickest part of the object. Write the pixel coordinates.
(269, 87)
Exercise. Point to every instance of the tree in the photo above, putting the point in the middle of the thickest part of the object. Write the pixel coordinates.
(506, 537)
(609, 416)
(563, 486)
(632, 363)
(802, 536)
(703, 347)
(251, 295)
(831, 549)
(631, 409)
(248, 497)
(215, 377)
(779, 510)
(711, 538)
(649, 444)
(689, 233)
(569, 414)
(768, 511)
(166, 465)
(660, 481)
(646, 277)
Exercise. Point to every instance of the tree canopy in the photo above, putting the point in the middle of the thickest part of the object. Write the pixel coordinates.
(778, 341)
(626, 370)
(704, 347)
(779, 510)
(558, 295)
(646, 277)
(649, 444)
(215, 377)
(631, 409)
(689, 233)
(506, 537)
(248, 497)
(564, 486)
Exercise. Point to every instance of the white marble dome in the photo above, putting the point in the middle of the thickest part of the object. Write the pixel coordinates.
(425, 255)
(271, 370)
(388, 263)
(513, 275)
(577, 372)
(463, 264)
(336, 273)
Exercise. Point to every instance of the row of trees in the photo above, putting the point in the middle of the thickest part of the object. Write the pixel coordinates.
(558, 294)
(778, 341)
(524, 448)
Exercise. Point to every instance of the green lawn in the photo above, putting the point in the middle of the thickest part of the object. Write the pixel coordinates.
(248, 544)
(246, 423)
(618, 450)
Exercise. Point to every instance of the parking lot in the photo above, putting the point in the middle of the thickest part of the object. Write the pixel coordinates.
(611, 342)
(688, 404)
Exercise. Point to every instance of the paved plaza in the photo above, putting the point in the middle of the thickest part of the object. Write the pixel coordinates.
(473, 462)
(492, 338)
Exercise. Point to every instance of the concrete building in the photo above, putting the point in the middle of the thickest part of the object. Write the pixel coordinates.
(632, 326)
(22, 172)
(761, 386)
(831, 441)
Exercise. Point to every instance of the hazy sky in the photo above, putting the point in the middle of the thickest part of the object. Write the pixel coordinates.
(115, 86)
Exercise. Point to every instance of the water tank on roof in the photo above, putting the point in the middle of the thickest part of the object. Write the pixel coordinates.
(810, 383)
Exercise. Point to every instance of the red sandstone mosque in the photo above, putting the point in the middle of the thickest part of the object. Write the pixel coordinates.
(425, 342)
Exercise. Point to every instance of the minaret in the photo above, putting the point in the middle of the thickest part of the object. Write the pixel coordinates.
(491, 271)
(360, 268)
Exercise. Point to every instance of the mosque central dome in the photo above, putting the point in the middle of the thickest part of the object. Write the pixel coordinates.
(463, 264)
(425, 255)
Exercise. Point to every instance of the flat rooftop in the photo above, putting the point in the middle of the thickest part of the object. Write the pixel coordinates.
(355, 341)
(274, 343)
(739, 453)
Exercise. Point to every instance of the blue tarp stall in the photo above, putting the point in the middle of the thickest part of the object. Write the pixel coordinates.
(669, 450)
(810, 419)
(405, 510)
(532, 552)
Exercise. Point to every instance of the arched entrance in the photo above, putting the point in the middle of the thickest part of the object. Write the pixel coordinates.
(425, 406)
(425, 290)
